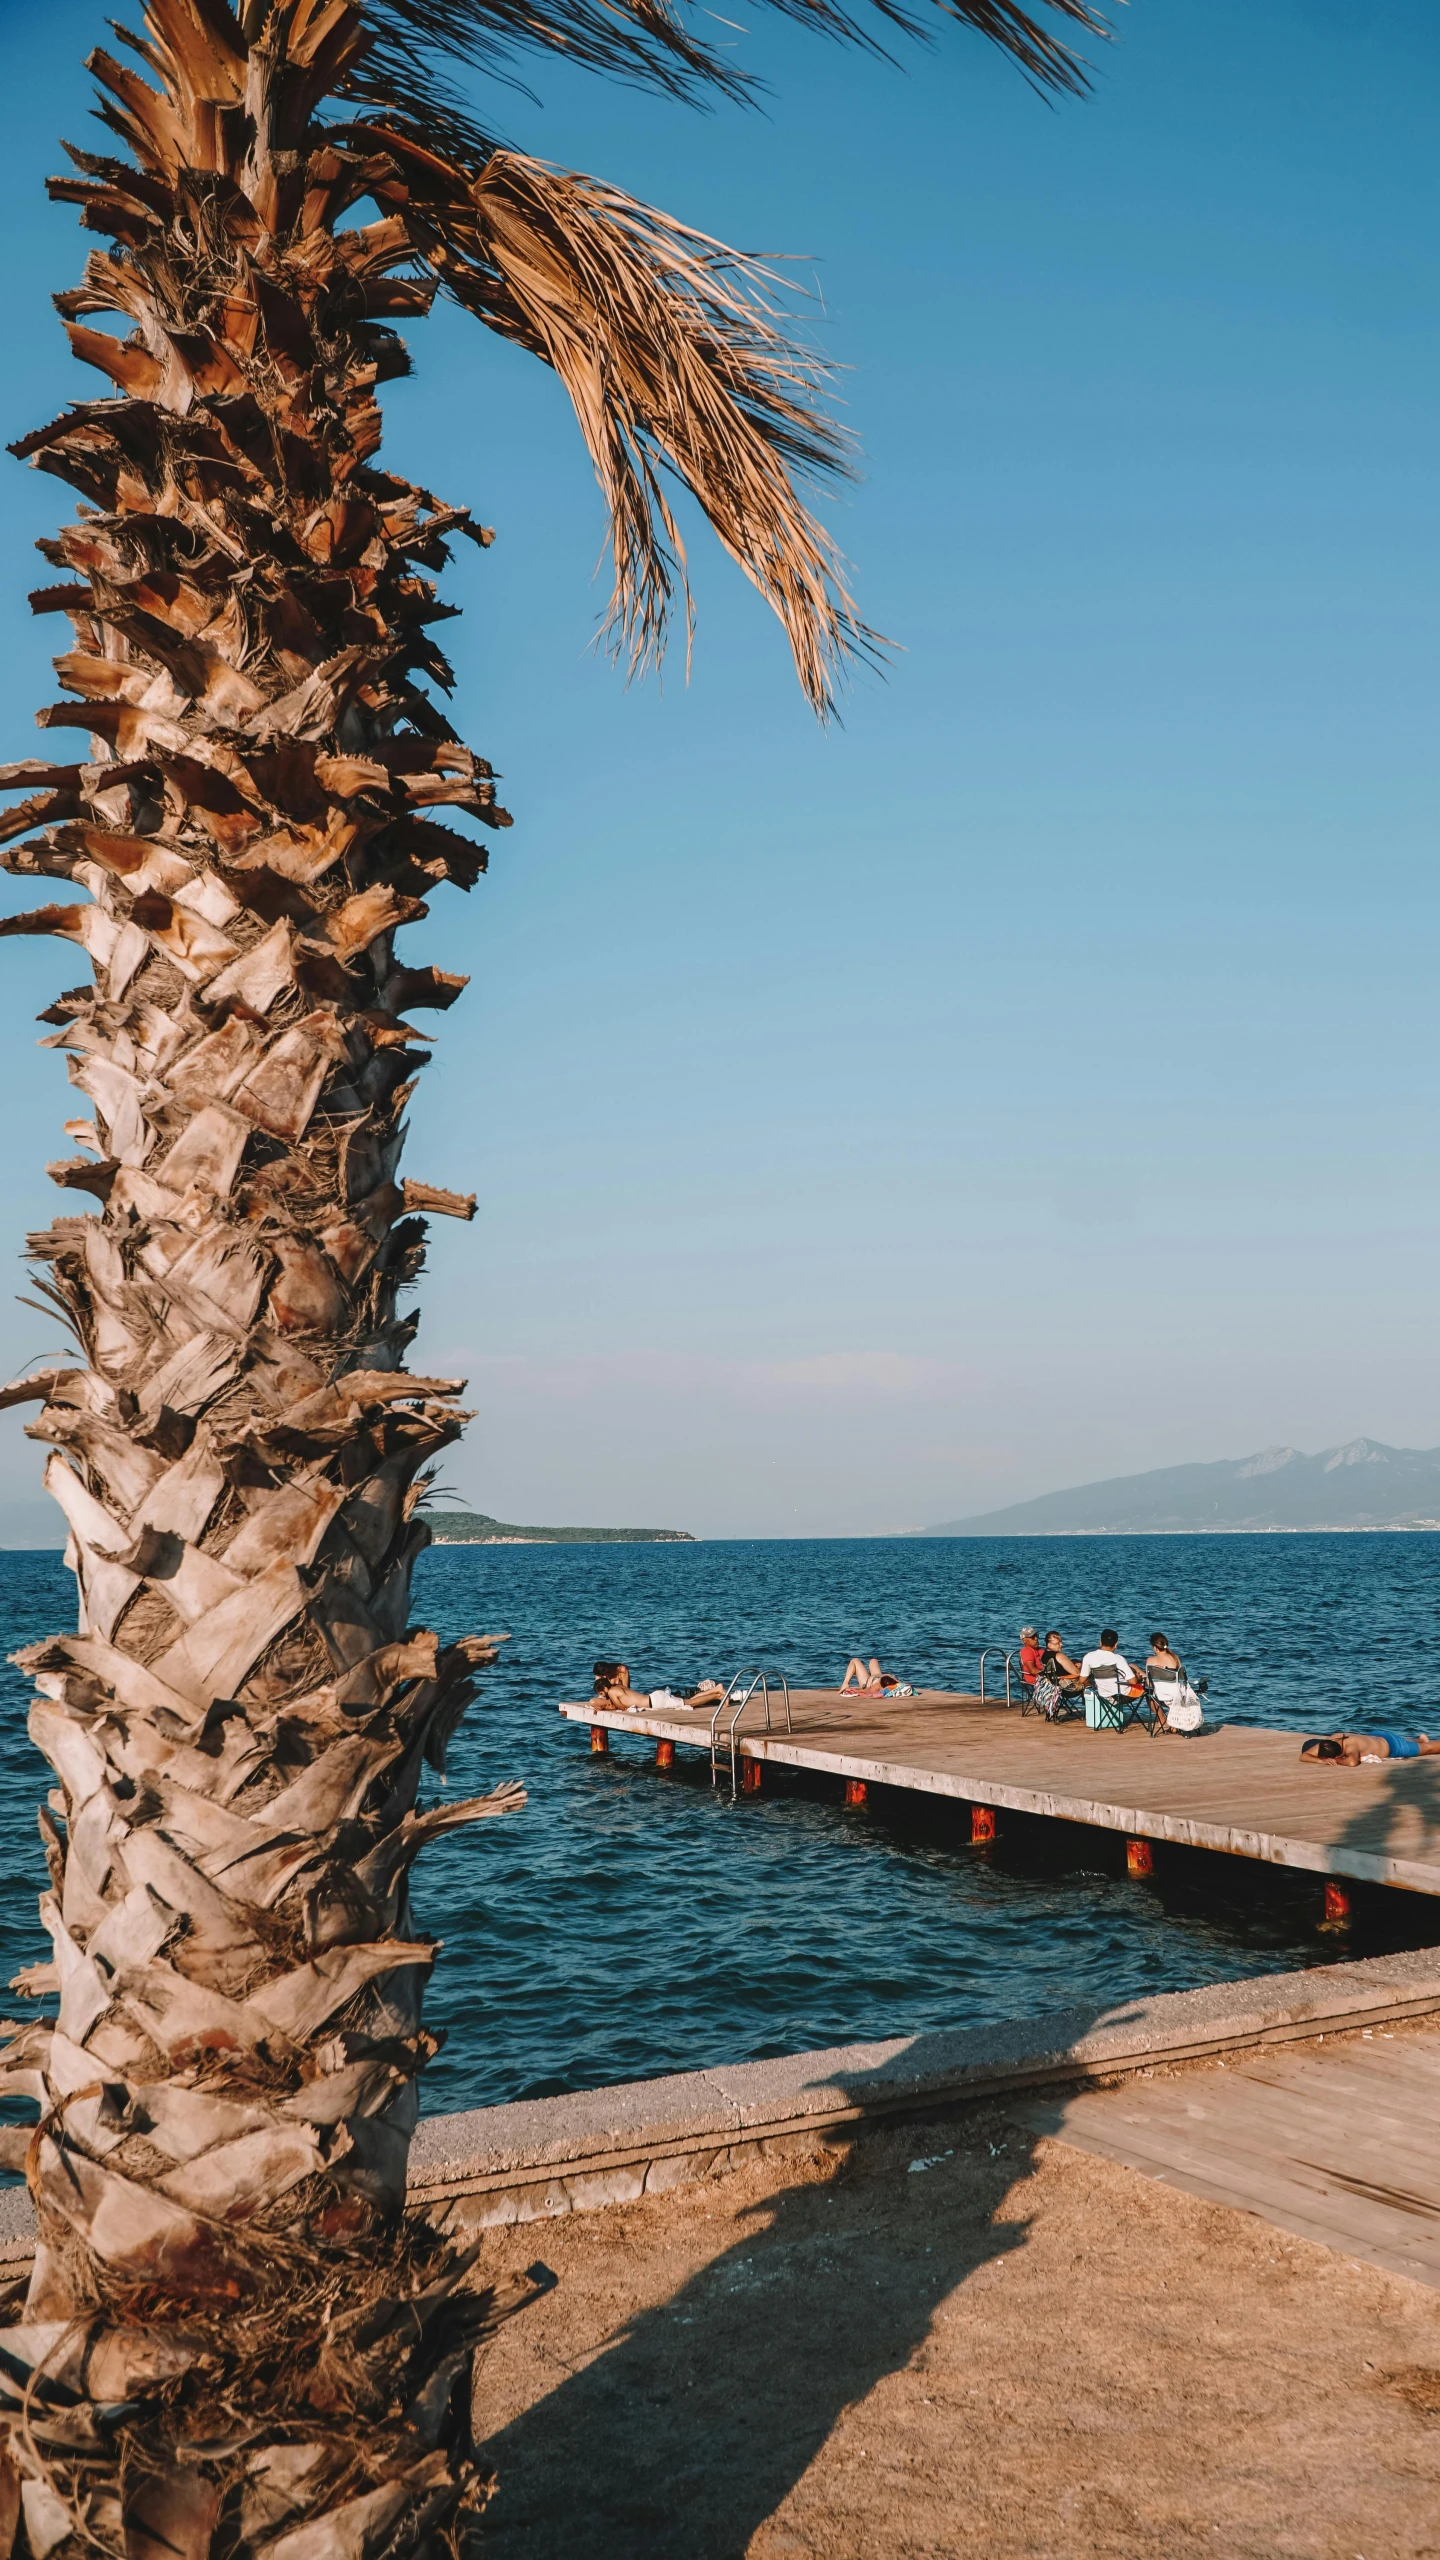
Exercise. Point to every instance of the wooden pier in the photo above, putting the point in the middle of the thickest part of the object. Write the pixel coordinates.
(1335, 2143)
(1242, 1789)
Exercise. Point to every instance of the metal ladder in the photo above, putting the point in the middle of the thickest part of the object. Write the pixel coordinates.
(738, 1694)
(1009, 1662)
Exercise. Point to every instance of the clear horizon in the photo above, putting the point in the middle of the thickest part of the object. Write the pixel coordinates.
(451, 1506)
(1031, 1082)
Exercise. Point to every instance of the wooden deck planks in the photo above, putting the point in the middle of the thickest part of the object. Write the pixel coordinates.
(1336, 2145)
(1242, 1789)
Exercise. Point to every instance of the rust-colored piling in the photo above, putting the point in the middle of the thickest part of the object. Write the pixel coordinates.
(664, 1754)
(856, 1791)
(1337, 1906)
(750, 1775)
(1139, 1858)
(599, 1738)
(982, 1824)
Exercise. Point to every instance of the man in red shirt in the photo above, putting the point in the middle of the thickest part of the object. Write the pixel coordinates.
(1032, 1660)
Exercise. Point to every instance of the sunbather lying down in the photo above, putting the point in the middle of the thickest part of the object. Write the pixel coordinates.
(1347, 1750)
(612, 1689)
(870, 1681)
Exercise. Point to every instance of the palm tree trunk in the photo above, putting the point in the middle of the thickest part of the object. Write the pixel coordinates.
(233, 2339)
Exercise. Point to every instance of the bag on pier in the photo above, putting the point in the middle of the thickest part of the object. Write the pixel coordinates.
(1185, 1710)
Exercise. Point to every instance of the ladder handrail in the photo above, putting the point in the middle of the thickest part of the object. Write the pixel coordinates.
(739, 1691)
(745, 1682)
(1009, 1662)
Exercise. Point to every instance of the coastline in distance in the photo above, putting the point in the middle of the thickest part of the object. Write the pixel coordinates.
(1360, 1485)
(477, 1529)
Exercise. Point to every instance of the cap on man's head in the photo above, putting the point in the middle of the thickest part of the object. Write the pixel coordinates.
(1027, 1631)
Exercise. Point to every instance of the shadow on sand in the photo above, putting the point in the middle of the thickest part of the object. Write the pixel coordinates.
(695, 2419)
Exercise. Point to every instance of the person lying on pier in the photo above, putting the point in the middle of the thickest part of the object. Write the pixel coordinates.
(612, 1689)
(870, 1681)
(1347, 1750)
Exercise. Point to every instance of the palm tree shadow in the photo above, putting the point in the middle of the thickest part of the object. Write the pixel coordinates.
(697, 2418)
(1403, 1820)
(691, 2427)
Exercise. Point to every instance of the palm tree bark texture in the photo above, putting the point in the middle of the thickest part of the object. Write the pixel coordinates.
(235, 2340)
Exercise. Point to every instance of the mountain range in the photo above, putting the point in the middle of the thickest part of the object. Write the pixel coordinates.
(1360, 1485)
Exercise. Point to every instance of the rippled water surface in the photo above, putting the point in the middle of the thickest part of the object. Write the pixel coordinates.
(627, 1924)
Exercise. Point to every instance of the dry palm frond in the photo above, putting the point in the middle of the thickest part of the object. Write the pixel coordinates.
(650, 43)
(671, 346)
(673, 351)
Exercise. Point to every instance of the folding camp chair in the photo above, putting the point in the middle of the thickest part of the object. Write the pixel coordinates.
(1163, 1690)
(1114, 1707)
(1067, 1702)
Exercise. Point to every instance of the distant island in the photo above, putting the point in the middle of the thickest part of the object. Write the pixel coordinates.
(1360, 1485)
(477, 1529)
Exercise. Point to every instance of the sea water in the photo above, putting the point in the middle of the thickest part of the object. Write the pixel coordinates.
(627, 1923)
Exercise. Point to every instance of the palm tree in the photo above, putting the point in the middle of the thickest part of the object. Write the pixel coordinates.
(234, 2340)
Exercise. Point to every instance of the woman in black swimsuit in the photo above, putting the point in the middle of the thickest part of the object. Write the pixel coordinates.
(1058, 1665)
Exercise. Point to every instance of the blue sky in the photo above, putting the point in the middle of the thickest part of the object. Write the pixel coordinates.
(1033, 1079)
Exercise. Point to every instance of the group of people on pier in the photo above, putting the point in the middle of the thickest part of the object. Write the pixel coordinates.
(1056, 1682)
(1052, 1673)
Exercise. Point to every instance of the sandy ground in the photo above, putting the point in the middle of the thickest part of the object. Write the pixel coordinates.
(1014, 2349)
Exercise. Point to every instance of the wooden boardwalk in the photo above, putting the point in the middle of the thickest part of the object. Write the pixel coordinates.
(1241, 1788)
(1335, 2143)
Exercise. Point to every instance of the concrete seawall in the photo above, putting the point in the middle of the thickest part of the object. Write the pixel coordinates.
(543, 2157)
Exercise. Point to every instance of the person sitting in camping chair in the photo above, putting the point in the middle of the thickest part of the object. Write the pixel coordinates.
(1058, 1683)
(1111, 1684)
(1176, 1699)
